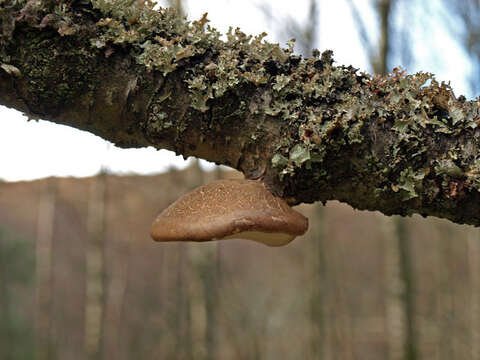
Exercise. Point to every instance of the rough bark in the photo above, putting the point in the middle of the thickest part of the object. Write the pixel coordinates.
(313, 131)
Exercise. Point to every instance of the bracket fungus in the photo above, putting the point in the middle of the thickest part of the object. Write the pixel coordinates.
(230, 209)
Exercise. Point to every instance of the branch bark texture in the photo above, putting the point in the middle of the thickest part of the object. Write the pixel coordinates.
(311, 130)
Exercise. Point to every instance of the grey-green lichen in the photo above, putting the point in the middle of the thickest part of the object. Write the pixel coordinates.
(180, 43)
(407, 134)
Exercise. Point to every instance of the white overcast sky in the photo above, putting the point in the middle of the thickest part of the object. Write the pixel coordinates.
(30, 150)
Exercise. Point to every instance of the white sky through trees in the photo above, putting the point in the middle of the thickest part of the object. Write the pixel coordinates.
(30, 150)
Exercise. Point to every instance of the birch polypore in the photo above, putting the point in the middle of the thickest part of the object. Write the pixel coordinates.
(230, 209)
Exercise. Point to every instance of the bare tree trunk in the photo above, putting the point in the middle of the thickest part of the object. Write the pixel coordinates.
(5, 311)
(406, 288)
(210, 290)
(341, 317)
(400, 296)
(380, 65)
(319, 281)
(444, 293)
(94, 258)
(183, 330)
(395, 319)
(114, 303)
(431, 326)
(44, 343)
(474, 264)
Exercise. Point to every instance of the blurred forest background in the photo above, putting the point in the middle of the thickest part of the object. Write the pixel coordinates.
(80, 279)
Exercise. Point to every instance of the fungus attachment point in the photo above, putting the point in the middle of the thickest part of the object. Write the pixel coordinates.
(230, 209)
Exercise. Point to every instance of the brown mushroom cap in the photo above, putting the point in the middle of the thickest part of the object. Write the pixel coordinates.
(230, 209)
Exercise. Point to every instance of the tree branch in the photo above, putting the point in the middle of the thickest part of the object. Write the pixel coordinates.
(312, 131)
